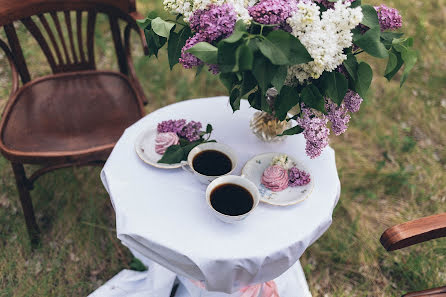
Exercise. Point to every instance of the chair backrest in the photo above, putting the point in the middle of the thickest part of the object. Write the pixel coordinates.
(68, 43)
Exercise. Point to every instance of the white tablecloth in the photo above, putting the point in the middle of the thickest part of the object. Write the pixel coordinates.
(162, 214)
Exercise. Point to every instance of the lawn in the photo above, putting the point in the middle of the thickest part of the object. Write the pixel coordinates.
(391, 161)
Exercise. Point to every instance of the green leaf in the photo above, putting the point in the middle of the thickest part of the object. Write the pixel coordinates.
(229, 80)
(279, 79)
(410, 58)
(143, 23)
(244, 58)
(399, 64)
(370, 16)
(371, 43)
(161, 27)
(154, 42)
(356, 3)
(264, 104)
(204, 51)
(388, 37)
(209, 128)
(174, 154)
(293, 131)
(240, 26)
(273, 51)
(313, 98)
(365, 75)
(264, 72)
(285, 100)
(188, 147)
(391, 64)
(137, 265)
(255, 100)
(175, 44)
(351, 65)
(235, 36)
(335, 86)
(226, 57)
(282, 48)
(234, 99)
(248, 83)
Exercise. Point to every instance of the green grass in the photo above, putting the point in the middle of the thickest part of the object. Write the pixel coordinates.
(391, 163)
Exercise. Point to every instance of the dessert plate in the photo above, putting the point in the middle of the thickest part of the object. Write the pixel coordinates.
(253, 170)
(145, 149)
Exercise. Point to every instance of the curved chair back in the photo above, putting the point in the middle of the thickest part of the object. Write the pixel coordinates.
(64, 31)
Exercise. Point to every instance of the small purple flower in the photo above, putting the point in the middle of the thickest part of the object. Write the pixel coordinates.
(298, 177)
(214, 69)
(341, 69)
(315, 132)
(338, 117)
(389, 18)
(174, 126)
(272, 12)
(191, 131)
(352, 101)
(327, 4)
(187, 59)
(214, 22)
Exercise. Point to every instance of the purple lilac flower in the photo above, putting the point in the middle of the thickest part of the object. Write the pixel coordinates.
(338, 117)
(214, 22)
(214, 69)
(389, 18)
(352, 101)
(315, 132)
(174, 126)
(341, 69)
(298, 177)
(191, 131)
(271, 12)
(187, 59)
(327, 4)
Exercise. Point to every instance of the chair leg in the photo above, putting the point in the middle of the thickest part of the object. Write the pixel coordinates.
(27, 205)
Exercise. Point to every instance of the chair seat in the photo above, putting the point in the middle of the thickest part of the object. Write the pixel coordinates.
(68, 114)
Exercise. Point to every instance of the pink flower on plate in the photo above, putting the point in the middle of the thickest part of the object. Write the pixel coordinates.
(164, 140)
(275, 178)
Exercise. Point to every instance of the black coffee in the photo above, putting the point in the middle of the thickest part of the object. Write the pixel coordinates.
(231, 200)
(212, 163)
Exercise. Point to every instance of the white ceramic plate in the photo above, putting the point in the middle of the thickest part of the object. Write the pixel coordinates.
(253, 170)
(145, 148)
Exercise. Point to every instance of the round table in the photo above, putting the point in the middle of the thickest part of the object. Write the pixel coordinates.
(162, 214)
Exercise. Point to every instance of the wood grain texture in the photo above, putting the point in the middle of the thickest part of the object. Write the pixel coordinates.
(438, 292)
(414, 232)
(13, 10)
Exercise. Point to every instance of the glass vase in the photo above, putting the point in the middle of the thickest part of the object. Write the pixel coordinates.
(266, 126)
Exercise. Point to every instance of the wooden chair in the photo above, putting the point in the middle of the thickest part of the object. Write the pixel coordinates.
(74, 116)
(414, 232)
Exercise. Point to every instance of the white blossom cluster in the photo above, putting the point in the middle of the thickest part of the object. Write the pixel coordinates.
(187, 7)
(325, 37)
(283, 161)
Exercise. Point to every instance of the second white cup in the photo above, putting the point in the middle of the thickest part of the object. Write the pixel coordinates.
(209, 146)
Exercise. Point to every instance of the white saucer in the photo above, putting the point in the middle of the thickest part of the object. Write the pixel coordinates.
(253, 170)
(145, 148)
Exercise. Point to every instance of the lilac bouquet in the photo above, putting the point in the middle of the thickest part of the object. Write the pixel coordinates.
(176, 138)
(306, 49)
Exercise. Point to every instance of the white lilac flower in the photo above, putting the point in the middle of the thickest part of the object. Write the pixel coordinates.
(324, 37)
(188, 7)
(281, 160)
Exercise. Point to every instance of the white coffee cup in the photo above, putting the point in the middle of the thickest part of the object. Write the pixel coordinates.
(214, 146)
(237, 180)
